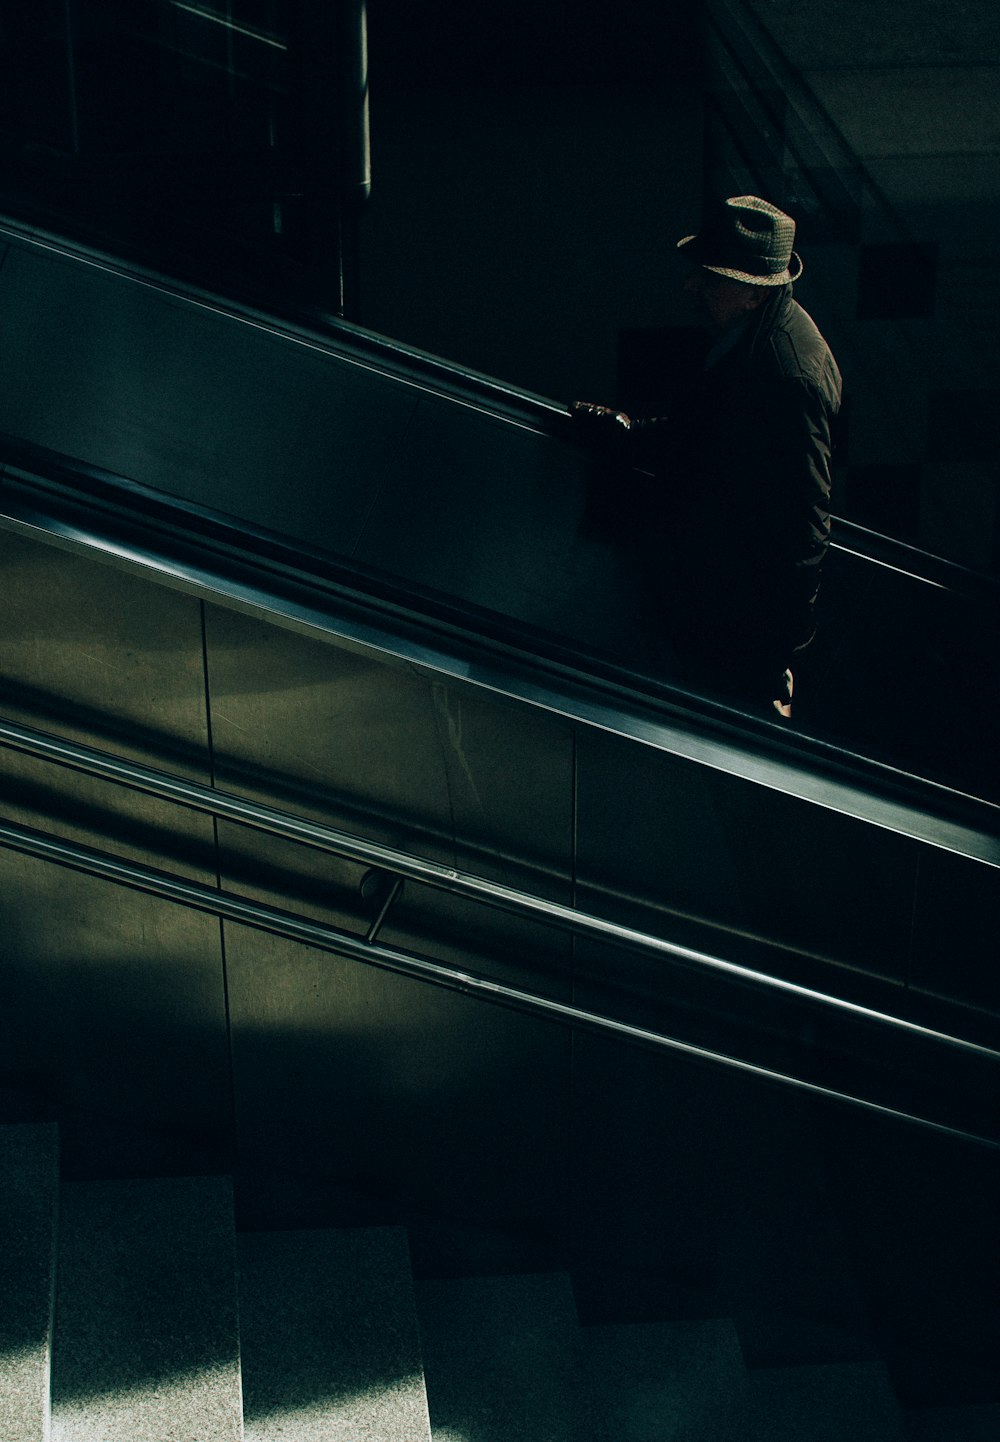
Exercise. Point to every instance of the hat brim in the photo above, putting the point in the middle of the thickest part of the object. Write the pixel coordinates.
(783, 277)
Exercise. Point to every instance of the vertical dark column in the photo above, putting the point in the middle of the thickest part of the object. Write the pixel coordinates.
(355, 158)
(327, 146)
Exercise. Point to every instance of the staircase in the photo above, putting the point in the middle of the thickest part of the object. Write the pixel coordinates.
(133, 1310)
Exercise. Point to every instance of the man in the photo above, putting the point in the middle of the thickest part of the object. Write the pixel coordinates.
(739, 520)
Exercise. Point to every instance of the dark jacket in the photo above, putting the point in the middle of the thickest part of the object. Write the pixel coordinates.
(739, 518)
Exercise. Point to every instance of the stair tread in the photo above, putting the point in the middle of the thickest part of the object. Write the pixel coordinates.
(29, 1159)
(655, 1381)
(824, 1403)
(146, 1337)
(502, 1360)
(331, 1350)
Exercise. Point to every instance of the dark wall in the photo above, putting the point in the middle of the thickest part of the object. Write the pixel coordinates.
(877, 126)
(533, 168)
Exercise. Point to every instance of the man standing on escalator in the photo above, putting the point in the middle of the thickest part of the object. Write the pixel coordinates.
(736, 525)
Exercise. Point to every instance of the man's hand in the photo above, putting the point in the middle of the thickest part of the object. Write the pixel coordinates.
(601, 418)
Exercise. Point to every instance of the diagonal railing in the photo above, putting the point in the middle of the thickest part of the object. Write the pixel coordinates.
(400, 866)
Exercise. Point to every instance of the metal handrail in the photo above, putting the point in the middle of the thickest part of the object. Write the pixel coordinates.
(253, 814)
(203, 552)
(319, 936)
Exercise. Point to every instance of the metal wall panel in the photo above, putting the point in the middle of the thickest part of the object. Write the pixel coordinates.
(497, 514)
(956, 932)
(697, 1193)
(377, 1085)
(359, 740)
(394, 1094)
(284, 435)
(100, 655)
(114, 1012)
(685, 838)
(113, 1003)
(345, 736)
(197, 404)
(378, 1089)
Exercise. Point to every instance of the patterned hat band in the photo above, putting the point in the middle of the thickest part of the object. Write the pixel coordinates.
(746, 239)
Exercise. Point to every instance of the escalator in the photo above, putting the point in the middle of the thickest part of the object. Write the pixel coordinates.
(344, 453)
(345, 835)
(389, 506)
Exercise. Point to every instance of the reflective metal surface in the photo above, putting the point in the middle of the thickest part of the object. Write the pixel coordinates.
(182, 398)
(882, 796)
(367, 1087)
(114, 1017)
(348, 1092)
(359, 737)
(410, 469)
(113, 1005)
(290, 927)
(495, 513)
(97, 655)
(654, 833)
(394, 865)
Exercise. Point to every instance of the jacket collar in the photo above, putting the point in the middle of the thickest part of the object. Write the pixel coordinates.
(768, 318)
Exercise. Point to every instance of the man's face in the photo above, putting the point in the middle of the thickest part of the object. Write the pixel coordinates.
(719, 301)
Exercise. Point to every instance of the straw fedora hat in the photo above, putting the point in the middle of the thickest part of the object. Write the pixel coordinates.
(746, 239)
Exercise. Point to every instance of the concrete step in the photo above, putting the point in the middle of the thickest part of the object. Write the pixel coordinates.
(824, 1404)
(29, 1171)
(502, 1360)
(146, 1337)
(329, 1339)
(660, 1381)
(953, 1424)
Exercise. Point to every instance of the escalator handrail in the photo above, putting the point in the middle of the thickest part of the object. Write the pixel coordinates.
(221, 561)
(289, 826)
(319, 936)
(506, 401)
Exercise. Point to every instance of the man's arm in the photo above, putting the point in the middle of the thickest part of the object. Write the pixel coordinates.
(628, 440)
(795, 491)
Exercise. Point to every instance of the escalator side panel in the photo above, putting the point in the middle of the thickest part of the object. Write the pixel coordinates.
(302, 725)
(385, 751)
(382, 459)
(114, 1015)
(451, 771)
(195, 403)
(905, 669)
(113, 1003)
(656, 833)
(406, 1097)
(498, 515)
(99, 656)
(296, 439)
(955, 933)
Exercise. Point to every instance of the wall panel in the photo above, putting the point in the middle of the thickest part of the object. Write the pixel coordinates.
(401, 1099)
(114, 1012)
